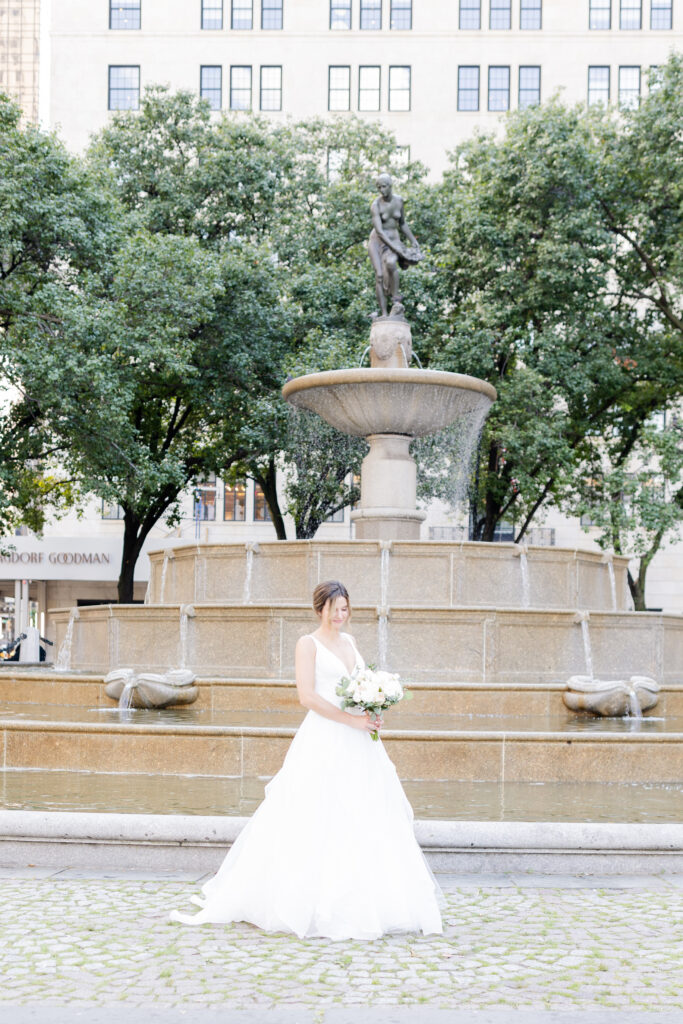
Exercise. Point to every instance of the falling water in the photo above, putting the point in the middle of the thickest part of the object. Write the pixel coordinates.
(251, 547)
(162, 585)
(587, 650)
(633, 703)
(524, 569)
(63, 662)
(612, 583)
(444, 460)
(183, 635)
(383, 610)
(405, 357)
(362, 358)
(148, 592)
(126, 698)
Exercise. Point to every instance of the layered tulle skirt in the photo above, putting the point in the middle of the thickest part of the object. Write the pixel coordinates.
(330, 851)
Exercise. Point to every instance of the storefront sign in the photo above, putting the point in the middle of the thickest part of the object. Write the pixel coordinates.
(65, 558)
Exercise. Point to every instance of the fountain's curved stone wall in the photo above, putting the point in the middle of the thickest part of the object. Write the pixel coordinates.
(417, 574)
(478, 645)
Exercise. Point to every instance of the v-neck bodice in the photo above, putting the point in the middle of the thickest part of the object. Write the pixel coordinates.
(329, 668)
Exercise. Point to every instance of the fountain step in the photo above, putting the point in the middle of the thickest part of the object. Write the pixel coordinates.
(183, 741)
(455, 698)
(37, 790)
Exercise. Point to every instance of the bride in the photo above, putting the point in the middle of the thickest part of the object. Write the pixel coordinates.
(331, 850)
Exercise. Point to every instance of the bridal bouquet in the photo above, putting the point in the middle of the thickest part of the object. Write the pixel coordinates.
(371, 690)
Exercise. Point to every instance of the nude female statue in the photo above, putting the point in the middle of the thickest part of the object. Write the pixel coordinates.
(385, 247)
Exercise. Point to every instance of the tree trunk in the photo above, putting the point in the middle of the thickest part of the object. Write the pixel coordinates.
(637, 585)
(132, 546)
(268, 484)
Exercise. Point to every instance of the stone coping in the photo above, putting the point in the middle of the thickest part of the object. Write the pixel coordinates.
(593, 735)
(51, 675)
(394, 609)
(177, 829)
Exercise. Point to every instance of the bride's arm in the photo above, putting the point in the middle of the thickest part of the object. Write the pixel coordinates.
(304, 660)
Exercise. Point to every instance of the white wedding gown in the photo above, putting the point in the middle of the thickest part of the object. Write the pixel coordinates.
(331, 850)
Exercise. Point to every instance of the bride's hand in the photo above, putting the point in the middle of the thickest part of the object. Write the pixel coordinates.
(365, 722)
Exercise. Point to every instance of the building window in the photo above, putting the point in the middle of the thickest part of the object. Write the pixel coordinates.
(339, 88)
(211, 85)
(660, 14)
(629, 87)
(600, 14)
(205, 499)
(598, 85)
(110, 510)
(499, 88)
(368, 88)
(402, 155)
(470, 14)
(235, 504)
(399, 88)
(124, 13)
(336, 517)
(340, 13)
(499, 14)
(371, 14)
(261, 510)
(124, 87)
(271, 14)
(630, 15)
(242, 15)
(468, 88)
(529, 86)
(401, 14)
(240, 87)
(212, 13)
(271, 88)
(530, 14)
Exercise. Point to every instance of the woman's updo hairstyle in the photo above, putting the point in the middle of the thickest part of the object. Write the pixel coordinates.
(330, 590)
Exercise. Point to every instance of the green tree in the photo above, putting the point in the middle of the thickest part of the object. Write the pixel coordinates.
(560, 283)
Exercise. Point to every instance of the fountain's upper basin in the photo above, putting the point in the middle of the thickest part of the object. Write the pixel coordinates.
(369, 401)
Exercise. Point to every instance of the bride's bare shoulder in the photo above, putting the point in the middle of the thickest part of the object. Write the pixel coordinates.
(306, 643)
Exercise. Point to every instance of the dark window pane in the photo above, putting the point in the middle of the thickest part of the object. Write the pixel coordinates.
(261, 510)
(211, 85)
(236, 502)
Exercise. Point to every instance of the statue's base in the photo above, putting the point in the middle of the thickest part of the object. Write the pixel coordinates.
(391, 343)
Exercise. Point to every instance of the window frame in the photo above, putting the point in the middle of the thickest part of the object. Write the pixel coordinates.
(463, 91)
(112, 67)
(269, 67)
(639, 94)
(623, 8)
(211, 67)
(528, 67)
(361, 90)
(234, 89)
(212, 5)
(659, 8)
(400, 67)
(499, 6)
(599, 67)
(330, 69)
(406, 5)
(268, 6)
(341, 5)
(498, 67)
(125, 28)
(594, 10)
(475, 5)
(368, 7)
(241, 5)
(539, 8)
(259, 501)
(230, 490)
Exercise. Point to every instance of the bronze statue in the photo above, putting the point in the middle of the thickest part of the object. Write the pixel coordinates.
(386, 249)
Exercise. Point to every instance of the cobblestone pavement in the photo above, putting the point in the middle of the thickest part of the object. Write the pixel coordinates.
(537, 942)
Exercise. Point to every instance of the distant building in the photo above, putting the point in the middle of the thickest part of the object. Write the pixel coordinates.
(432, 71)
